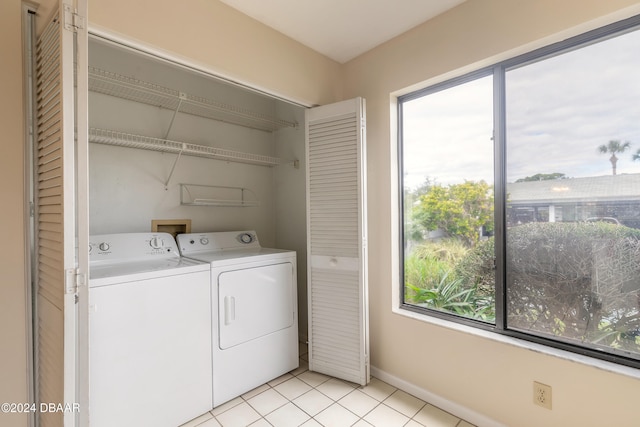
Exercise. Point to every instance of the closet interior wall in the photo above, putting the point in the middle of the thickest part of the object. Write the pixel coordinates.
(127, 185)
(291, 204)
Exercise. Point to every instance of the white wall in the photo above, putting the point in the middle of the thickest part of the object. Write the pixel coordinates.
(127, 186)
(466, 370)
(290, 204)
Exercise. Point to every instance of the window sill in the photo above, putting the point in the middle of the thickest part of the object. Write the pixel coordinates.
(520, 343)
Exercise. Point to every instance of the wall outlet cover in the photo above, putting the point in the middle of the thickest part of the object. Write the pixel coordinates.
(542, 395)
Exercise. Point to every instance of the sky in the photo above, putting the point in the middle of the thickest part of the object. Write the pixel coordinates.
(559, 111)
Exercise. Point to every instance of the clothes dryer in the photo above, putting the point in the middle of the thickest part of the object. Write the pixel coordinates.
(254, 309)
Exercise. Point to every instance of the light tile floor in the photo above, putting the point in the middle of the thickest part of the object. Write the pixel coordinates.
(308, 399)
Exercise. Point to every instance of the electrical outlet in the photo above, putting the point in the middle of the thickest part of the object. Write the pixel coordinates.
(542, 395)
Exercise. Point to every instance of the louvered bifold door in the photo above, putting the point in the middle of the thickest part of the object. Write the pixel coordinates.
(56, 221)
(336, 241)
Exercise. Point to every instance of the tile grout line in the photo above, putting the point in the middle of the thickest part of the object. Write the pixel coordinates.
(272, 386)
(312, 417)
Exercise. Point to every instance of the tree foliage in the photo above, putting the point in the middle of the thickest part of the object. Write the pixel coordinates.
(613, 147)
(543, 177)
(460, 210)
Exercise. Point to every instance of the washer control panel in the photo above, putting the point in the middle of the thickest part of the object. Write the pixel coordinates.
(131, 246)
(217, 241)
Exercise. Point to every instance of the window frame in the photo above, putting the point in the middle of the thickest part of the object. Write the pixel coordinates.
(499, 70)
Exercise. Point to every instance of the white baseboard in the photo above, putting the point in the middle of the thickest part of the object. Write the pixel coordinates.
(447, 405)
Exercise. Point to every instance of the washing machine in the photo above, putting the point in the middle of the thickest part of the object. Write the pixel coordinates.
(149, 332)
(254, 309)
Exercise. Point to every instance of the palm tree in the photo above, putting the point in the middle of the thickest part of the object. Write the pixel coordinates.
(636, 156)
(613, 147)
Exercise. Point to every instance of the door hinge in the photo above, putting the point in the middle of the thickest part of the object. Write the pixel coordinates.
(74, 279)
(72, 21)
(70, 286)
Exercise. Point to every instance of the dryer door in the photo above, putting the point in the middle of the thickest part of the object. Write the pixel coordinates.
(254, 302)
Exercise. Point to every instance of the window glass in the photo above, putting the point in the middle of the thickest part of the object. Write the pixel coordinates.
(448, 200)
(573, 196)
(559, 262)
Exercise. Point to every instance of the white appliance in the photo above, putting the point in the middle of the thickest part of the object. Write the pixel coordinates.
(150, 332)
(254, 302)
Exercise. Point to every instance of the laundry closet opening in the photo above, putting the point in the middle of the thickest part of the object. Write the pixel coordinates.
(171, 142)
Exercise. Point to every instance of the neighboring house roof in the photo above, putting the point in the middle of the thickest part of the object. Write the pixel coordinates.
(608, 188)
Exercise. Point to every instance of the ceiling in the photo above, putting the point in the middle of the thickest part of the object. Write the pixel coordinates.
(342, 29)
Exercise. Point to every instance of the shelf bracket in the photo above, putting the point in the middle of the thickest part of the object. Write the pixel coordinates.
(181, 98)
(173, 168)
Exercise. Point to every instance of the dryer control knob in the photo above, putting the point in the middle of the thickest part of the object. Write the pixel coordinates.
(204, 241)
(246, 238)
(104, 246)
(156, 243)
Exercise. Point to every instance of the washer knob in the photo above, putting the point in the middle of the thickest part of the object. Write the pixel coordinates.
(204, 241)
(104, 246)
(156, 243)
(246, 238)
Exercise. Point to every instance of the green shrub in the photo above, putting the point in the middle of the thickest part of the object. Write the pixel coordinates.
(445, 294)
(477, 268)
(423, 272)
(432, 280)
(573, 279)
(448, 251)
(580, 280)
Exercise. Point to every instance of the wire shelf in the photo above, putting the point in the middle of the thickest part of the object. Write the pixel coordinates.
(214, 195)
(121, 139)
(113, 84)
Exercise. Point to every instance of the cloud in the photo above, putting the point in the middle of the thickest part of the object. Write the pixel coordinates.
(559, 110)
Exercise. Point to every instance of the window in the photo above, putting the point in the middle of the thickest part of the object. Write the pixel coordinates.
(521, 196)
(448, 196)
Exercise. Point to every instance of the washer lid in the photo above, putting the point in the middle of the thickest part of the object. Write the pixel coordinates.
(106, 274)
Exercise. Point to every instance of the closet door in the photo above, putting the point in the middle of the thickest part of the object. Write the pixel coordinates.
(61, 218)
(336, 236)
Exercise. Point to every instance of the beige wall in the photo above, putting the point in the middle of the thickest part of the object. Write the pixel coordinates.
(225, 41)
(13, 349)
(489, 377)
